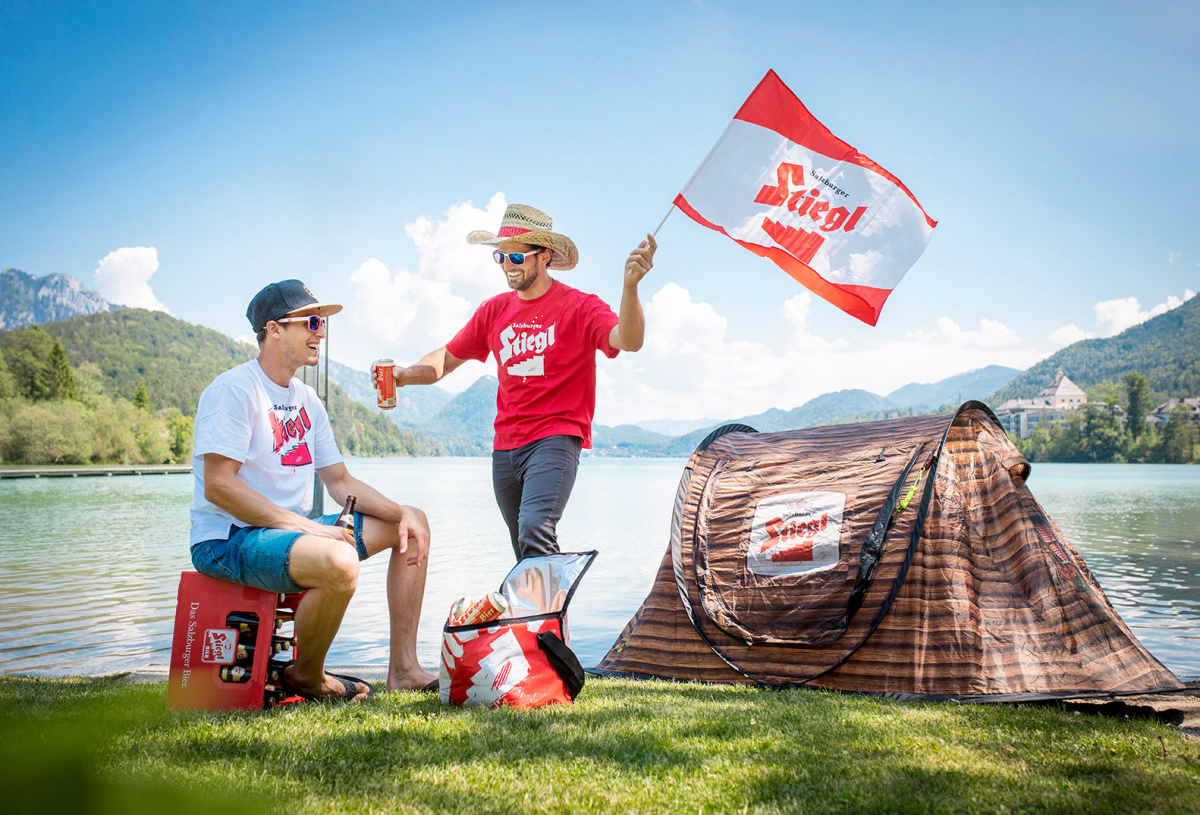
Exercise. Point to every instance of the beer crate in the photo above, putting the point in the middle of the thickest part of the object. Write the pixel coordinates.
(204, 643)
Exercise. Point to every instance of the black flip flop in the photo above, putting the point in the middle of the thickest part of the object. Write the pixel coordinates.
(349, 693)
(433, 686)
(348, 682)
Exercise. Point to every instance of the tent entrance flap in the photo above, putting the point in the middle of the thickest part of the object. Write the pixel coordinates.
(796, 558)
(777, 545)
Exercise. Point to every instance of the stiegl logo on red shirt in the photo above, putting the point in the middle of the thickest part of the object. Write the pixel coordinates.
(796, 533)
(519, 345)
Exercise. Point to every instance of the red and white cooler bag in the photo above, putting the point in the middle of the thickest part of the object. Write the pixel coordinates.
(518, 659)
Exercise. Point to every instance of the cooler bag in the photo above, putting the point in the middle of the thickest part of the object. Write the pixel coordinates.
(519, 659)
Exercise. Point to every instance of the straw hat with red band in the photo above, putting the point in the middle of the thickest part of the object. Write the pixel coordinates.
(524, 224)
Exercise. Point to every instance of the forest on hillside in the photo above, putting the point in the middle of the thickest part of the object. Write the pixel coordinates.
(1164, 350)
(122, 387)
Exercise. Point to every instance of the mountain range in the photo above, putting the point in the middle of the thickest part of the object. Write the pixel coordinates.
(176, 360)
(28, 300)
(463, 422)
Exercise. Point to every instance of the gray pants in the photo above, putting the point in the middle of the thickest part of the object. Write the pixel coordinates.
(532, 485)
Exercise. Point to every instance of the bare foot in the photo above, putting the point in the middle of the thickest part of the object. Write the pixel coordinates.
(411, 680)
(328, 688)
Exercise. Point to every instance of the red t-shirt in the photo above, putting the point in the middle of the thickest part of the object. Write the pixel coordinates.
(545, 352)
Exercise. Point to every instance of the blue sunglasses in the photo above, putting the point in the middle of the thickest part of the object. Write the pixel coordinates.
(517, 258)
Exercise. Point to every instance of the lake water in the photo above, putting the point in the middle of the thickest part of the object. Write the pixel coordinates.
(89, 567)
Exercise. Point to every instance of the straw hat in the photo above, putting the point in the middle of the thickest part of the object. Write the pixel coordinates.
(525, 224)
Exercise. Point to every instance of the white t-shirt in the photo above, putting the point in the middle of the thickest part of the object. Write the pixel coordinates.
(281, 436)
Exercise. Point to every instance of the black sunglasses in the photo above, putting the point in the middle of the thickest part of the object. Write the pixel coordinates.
(517, 258)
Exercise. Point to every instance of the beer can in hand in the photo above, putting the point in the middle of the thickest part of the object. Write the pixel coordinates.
(385, 383)
(483, 610)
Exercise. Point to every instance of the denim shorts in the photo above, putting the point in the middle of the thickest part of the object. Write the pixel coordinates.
(259, 556)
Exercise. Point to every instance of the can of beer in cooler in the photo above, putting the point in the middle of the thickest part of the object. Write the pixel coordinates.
(483, 610)
(385, 383)
(455, 610)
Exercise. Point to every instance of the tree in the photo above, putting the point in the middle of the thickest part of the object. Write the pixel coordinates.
(1137, 403)
(27, 353)
(1066, 439)
(1179, 437)
(8, 385)
(60, 379)
(41, 433)
(1109, 393)
(141, 398)
(1103, 437)
(180, 429)
(1037, 446)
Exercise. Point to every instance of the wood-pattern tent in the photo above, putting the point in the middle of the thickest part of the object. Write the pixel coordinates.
(906, 558)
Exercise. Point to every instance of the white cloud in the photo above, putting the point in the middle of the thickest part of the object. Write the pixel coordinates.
(1067, 334)
(1114, 316)
(1173, 256)
(795, 312)
(404, 314)
(445, 254)
(991, 334)
(690, 367)
(124, 277)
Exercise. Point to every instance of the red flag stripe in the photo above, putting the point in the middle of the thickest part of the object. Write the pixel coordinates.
(773, 105)
(862, 302)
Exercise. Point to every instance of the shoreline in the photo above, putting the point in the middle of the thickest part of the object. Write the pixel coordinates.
(69, 471)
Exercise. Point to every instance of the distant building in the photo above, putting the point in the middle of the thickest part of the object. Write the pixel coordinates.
(1053, 402)
(1162, 414)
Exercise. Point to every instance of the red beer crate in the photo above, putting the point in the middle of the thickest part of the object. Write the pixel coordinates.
(204, 643)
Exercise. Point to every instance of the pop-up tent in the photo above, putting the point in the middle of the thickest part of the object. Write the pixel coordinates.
(905, 558)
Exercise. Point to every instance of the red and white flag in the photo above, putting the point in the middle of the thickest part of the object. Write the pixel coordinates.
(783, 186)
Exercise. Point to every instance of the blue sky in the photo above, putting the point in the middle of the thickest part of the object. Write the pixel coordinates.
(182, 155)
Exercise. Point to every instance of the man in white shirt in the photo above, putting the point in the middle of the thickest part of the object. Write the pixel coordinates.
(260, 434)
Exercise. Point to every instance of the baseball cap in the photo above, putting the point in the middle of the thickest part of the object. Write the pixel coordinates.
(287, 298)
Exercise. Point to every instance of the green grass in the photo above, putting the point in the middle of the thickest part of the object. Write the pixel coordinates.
(102, 745)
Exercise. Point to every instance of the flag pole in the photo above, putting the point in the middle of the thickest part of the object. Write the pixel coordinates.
(654, 234)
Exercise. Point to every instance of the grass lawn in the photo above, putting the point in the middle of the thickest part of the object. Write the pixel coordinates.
(104, 745)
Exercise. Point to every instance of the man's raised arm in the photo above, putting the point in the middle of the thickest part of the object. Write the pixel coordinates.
(630, 331)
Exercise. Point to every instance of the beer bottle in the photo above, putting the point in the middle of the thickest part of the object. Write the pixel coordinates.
(279, 644)
(234, 673)
(275, 670)
(283, 617)
(245, 652)
(346, 519)
(245, 622)
(272, 696)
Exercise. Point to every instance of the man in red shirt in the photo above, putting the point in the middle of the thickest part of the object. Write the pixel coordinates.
(544, 336)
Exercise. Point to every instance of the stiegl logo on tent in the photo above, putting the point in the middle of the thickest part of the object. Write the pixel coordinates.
(796, 533)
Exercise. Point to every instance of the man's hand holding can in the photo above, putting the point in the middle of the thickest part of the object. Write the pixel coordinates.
(383, 372)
